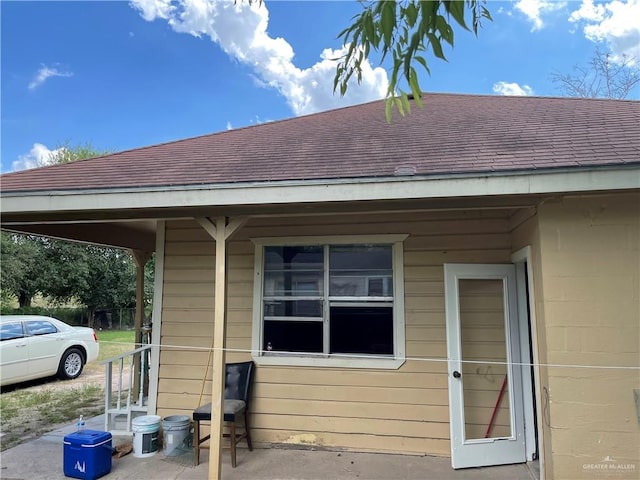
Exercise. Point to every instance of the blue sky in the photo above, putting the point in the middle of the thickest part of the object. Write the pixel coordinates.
(121, 75)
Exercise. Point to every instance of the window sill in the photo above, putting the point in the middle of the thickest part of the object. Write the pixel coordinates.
(343, 362)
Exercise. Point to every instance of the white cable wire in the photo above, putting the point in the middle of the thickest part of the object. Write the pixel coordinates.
(380, 357)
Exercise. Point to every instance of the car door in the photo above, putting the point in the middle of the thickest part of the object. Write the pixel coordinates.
(45, 347)
(14, 354)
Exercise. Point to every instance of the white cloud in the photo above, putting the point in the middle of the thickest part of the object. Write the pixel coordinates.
(614, 23)
(45, 73)
(258, 121)
(150, 9)
(38, 156)
(240, 29)
(512, 89)
(535, 9)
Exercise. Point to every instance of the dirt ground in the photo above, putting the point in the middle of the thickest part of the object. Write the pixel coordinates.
(92, 374)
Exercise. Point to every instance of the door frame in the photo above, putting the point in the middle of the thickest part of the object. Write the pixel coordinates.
(532, 387)
(483, 452)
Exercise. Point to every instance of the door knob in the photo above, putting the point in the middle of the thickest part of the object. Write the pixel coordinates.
(456, 374)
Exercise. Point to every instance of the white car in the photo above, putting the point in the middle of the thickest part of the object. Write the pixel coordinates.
(33, 346)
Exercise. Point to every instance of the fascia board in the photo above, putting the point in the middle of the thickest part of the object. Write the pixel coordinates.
(404, 188)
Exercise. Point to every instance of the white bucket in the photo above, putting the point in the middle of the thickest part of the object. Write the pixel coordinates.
(145, 435)
(174, 429)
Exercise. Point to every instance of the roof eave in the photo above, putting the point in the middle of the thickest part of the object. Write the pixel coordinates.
(522, 182)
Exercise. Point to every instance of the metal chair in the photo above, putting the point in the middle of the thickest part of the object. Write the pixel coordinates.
(237, 392)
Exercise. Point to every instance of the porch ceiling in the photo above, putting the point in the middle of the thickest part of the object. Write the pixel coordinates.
(132, 235)
(136, 228)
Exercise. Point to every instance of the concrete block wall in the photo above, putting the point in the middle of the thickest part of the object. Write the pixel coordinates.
(590, 271)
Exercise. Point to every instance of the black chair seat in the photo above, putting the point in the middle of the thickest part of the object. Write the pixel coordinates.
(231, 409)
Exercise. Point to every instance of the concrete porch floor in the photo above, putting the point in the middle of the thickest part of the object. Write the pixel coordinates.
(43, 459)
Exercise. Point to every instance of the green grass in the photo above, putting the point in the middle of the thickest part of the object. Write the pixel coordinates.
(114, 342)
(29, 413)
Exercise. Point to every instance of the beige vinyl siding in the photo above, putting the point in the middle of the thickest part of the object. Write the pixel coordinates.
(404, 410)
(590, 265)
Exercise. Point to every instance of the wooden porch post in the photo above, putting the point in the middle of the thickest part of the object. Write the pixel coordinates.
(221, 232)
(217, 385)
(141, 258)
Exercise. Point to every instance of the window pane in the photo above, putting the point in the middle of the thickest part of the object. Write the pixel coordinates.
(294, 271)
(293, 284)
(293, 308)
(361, 271)
(292, 336)
(294, 296)
(9, 331)
(483, 339)
(360, 329)
(308, 257)
(38, 327)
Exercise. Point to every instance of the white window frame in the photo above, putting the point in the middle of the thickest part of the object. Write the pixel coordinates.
(394, 361)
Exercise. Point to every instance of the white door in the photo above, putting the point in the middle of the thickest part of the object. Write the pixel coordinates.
(485, 388)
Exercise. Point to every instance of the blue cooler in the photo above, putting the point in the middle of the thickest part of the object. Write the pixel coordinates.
(87, 454)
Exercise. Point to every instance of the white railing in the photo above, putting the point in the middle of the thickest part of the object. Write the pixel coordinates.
(125, 389)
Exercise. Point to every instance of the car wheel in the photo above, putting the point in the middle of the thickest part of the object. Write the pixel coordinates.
(71, 364)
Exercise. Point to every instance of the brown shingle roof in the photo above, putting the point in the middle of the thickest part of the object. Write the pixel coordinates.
(452, 134)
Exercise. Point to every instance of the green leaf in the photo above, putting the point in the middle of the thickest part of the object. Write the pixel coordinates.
(398, 105)
(445, 29)
(413, 46)
(405, 102)
(456, 9)
(418, 99)
(436, 46)
(422, 62)
(388, 109)
(388, 20)
(336, 79)
(394, 75)
(411, 14)
(413, 83)
(369, 29)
